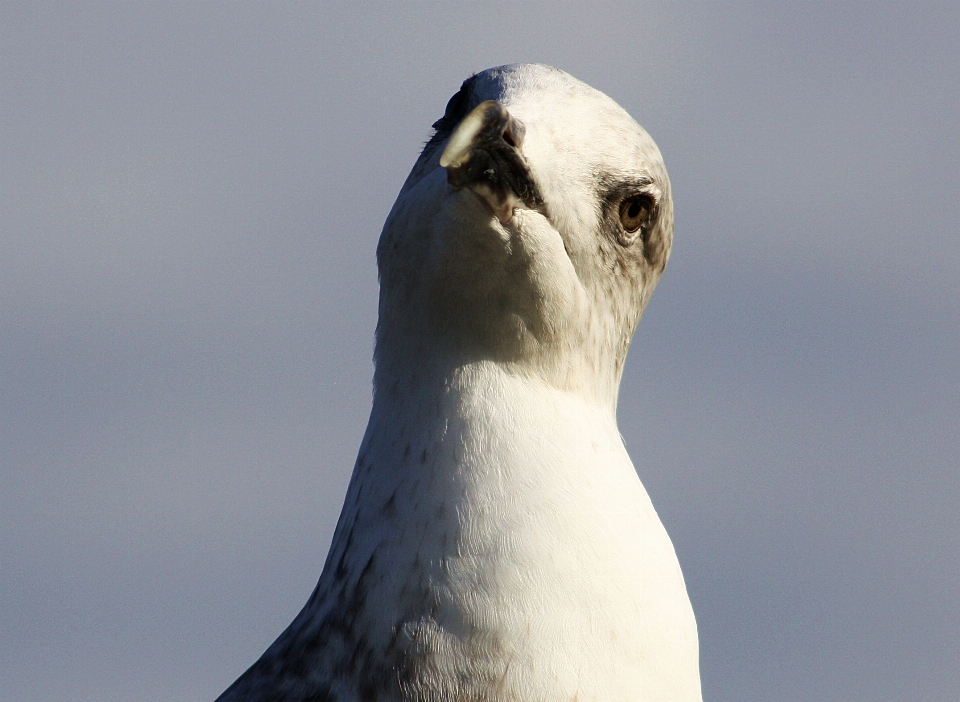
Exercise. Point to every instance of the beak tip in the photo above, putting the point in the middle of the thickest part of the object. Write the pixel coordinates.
(457, 151)
(447, 159)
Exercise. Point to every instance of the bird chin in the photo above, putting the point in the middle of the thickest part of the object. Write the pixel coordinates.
(501, 204)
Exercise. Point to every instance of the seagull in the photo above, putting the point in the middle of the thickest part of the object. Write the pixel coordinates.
(496, 543)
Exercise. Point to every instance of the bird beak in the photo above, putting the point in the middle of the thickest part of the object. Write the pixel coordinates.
(483, 154)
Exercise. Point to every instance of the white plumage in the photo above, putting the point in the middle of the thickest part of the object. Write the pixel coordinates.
(495, 543)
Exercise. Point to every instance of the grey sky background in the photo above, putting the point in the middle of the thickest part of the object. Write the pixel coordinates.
(191, 199)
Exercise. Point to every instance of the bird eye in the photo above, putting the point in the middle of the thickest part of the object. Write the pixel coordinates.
(634, 212)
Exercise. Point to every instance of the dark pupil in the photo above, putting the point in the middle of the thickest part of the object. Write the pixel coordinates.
(634, 210)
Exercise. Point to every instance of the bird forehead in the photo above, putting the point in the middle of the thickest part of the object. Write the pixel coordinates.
(574, 152)
(567, 120)
(585, 122)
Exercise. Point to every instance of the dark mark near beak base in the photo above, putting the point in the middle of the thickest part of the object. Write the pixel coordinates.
(484, 155)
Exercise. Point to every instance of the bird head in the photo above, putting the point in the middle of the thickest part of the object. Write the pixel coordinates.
(531, 232)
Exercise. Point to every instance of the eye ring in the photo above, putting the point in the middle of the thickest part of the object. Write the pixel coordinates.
(635, 212)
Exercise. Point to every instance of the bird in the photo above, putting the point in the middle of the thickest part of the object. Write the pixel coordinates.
(496, 543)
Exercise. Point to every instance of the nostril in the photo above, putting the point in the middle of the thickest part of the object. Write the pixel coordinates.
(513, 131)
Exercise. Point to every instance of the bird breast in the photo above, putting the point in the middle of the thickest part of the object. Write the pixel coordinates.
(505, 532)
